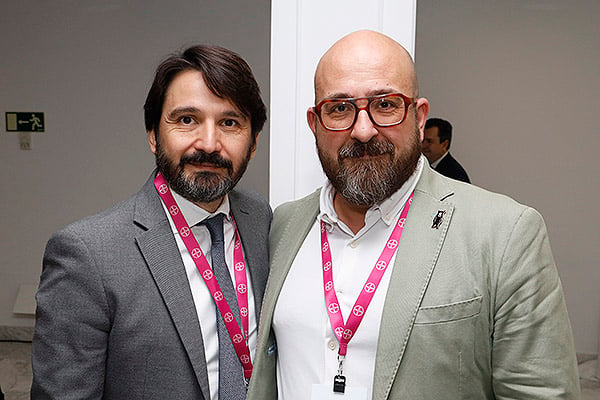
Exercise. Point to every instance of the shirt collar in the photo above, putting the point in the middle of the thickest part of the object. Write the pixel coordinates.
(194, 214)
(388, 210)
(438, 161)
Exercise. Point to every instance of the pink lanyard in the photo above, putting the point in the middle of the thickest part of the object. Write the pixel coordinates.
(345, 332)
(237, 337)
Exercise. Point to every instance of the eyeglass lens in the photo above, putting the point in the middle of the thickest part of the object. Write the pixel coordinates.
(384, 111)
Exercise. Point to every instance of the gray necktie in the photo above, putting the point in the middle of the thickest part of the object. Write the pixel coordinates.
(231, 377)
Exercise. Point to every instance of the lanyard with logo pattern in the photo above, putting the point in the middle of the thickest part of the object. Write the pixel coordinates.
(345, 332)
(237, 337)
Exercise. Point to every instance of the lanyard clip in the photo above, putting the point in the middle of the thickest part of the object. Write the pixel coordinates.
(339, 381)
(341, 359)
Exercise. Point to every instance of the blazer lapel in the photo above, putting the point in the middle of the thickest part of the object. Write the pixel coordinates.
(159, 248)
(254, 245)
(294, 227)
(416, 258)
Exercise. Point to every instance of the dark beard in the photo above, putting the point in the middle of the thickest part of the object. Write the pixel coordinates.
(200, 187)
(366, 182)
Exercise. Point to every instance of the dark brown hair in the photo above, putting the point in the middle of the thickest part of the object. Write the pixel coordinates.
(444, 129)
(225, 73)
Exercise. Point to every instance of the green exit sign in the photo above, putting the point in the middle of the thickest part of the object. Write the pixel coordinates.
(25, 122)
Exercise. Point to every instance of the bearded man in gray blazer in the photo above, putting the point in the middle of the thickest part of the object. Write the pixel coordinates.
(123, 311)
(393, 281)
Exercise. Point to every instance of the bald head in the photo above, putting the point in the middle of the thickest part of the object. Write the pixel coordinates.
(368, 159)
(369, 57)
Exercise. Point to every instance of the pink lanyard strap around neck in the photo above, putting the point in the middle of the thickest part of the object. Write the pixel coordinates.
(345, 332)
(238, 338)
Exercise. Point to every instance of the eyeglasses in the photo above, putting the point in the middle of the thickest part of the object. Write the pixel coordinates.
(384, 110)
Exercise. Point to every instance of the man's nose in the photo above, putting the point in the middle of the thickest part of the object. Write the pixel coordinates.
(363, 129)
(207, 138)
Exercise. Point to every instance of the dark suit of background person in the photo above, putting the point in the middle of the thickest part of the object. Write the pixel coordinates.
(448, 166)
(436, 147)
(115, 314)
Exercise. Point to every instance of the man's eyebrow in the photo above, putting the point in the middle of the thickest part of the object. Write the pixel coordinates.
(378, 92)
(375, 92)
(339, 95)
(179, 111)
(233, 113)
(182, 110)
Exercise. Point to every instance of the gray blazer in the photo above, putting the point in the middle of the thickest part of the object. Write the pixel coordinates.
(474, 308)
(115, 316)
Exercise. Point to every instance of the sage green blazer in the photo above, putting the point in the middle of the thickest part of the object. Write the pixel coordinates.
(474, 309)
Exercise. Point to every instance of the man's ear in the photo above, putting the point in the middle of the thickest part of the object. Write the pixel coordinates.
(311, 118)
(445, 144)
(254, 146)
(422, 107)
(152, 141)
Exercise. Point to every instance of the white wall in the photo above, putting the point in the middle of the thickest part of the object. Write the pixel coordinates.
(88, 65)
(519, 81)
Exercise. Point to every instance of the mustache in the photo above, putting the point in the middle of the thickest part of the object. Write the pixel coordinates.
(356, 149)
(201, 156)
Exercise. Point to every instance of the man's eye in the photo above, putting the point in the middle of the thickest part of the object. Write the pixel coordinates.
(186, 120)
(230, 123)
(338, 108)
(386, 104)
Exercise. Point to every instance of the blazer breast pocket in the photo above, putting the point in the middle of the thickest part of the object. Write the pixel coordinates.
(449, 312)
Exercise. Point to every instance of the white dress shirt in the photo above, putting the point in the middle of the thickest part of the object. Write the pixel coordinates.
(307, 346)
(203, 301)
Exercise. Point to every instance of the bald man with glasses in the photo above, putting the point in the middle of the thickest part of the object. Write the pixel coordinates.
(395, 282)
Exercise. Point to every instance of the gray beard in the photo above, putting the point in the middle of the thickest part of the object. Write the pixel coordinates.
(200, 187)
(368, 182)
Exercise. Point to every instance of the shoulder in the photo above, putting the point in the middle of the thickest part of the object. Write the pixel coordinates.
(296, 215)
(491, 217)
(248, 196)
(473, 204)
(293, 220)
(302, 206)
(251, 202)
(143, 207)
(103, 227)
(482, 200)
